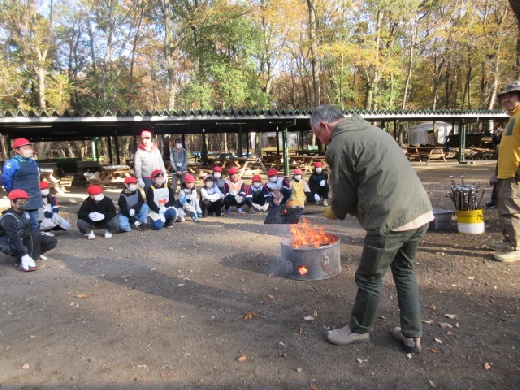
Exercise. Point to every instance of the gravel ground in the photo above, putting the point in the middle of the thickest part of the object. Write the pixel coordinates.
(166, 309)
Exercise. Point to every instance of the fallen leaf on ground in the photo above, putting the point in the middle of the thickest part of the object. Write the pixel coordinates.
(282, 344)
(409, 355)
(450, 316)
(250, 314)
(438, 340)
(25, 366)
(81, 295)
(141, 365)
(382, 317)
(242, 358)
(315, 313)
(32, 336)
(433, 307)
(487, 366)
(313, 387)
(445, 325)
(309, 318)
(430, 382)
(270, 296)
(299, 369)
(434, 351)
(429, 322)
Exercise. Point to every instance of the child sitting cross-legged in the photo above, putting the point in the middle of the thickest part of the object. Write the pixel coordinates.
(189, 199)
(160, 200)
(132, 209)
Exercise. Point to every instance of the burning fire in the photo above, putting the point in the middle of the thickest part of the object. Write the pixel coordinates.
(310, 236)
(302, 269)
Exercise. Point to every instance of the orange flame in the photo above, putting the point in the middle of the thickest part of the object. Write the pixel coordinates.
(302, 269)
(310, 236)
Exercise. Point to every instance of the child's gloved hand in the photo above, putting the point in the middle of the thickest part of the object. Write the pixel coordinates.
(329, 214)
(184, 200)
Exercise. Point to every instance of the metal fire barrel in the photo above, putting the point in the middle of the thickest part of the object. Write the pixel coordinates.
(305, 263)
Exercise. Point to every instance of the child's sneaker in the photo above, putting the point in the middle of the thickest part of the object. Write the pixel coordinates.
(141, 227)
(42, 257)
(264, 207)
(108, 234)
(410, 344)
(90, 236)
(325, 203)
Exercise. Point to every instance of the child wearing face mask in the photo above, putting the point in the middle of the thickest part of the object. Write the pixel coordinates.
(218, 180)
(16, 238)
(298, 189)
(160, 199)
(49, 217)
(97, 212)
(132, 209)
(257, 194)
(189, 199)
(278, 187)
(210, 198)
(319, 186)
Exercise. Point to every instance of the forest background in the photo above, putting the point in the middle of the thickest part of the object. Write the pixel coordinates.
(256, 54)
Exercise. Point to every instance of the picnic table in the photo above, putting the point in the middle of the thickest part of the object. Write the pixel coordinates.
(428, 152)
(109, 174)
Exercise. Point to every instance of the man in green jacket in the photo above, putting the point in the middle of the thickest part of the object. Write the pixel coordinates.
(372, 180)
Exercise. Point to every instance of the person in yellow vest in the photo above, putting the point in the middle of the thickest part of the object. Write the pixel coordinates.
(234, 191)
(507, 178)
(299, 189)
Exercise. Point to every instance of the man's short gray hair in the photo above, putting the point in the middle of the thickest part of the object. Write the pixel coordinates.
(325, 113)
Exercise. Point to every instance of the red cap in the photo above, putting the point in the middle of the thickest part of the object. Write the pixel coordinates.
(217, 169)
(232, 170)
(146, 133)
(44, 185)
(272, 172)
(94, 190)
(256, 178)
(189, 179)
(157, 172)
(130, 179)
(318, 164)
(298, 171)
(18, 194)
(20, 142)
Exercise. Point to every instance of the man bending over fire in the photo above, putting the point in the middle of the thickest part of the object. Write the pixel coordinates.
(372, 180)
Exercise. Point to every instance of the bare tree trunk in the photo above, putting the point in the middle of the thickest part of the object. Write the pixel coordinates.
(313, 26)
(169, 49)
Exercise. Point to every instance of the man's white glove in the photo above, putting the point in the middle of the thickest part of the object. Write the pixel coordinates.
(238, 198)
(131, 212)
(140, 182)
(27, 262)
(323, 183)
(162, 210)
(317, 197)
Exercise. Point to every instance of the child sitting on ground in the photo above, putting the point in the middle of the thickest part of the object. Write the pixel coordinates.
(299, 189)
(132, 209)
(49, 217)
(189, 199)
(160, 200)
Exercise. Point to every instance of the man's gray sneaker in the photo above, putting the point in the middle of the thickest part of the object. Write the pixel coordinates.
(410, 344)
(507, 257)
(345, 336)
(501, 246)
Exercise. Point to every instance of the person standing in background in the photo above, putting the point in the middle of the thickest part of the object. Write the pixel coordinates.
(179, 162)
(147, 159)
(22, 173)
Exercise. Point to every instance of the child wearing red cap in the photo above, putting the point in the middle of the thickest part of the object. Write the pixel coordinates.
(22, 173)
(257, 194)
(211, 198)
(16, 238)
(132, 209)
(218, 180)
(161, 201)
(189, 199)
(97, 212)
(298, 189)
(278, 187)
(319, 185)
(49, 217)
(234, 191)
